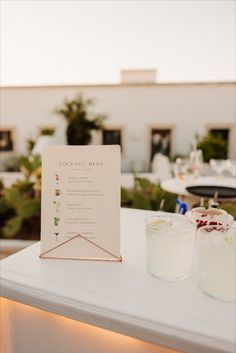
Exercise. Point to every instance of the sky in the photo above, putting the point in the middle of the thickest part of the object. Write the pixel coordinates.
(82, 42)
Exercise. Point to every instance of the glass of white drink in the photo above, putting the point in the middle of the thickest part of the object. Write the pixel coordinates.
(169, 246)
(216, 254)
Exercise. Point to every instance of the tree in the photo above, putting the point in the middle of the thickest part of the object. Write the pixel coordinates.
(80, 123)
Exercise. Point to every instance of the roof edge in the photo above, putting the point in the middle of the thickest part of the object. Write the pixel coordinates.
(119, 85)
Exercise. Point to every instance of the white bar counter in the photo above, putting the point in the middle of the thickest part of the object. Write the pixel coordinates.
(119, 297)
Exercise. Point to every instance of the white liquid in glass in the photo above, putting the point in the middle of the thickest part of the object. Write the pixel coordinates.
(217, 264)
(169, 246)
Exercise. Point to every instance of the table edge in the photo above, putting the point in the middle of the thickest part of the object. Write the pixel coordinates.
(113, 321)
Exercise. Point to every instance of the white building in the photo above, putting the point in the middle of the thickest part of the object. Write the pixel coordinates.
(139, 110)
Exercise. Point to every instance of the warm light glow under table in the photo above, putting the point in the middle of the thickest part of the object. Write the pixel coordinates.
(82, 302)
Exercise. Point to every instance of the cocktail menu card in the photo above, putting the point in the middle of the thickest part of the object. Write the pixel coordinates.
(80, 216)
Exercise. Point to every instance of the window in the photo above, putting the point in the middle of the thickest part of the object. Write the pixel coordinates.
(46, 130)
(111, 137)
(223, 133)
(6, 141)
(161, 142)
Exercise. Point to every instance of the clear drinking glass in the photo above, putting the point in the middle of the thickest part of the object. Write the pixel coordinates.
(219, 165)
(169, 246)
(196, 162)
(180, 169)
(216, 261)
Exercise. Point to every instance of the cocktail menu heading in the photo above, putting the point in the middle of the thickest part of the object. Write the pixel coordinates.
(80, 216)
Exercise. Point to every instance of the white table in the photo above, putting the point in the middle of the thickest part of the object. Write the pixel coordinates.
(120, 297)
(179, 188)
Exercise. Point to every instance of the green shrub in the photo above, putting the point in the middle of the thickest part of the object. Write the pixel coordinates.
(147, 196)
(20, 204)
(229, 207)
(213, 147)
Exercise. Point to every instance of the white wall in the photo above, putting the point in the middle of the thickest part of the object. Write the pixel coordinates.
(188, 107)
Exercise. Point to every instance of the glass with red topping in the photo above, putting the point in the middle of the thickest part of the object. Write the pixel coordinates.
(212, 216)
